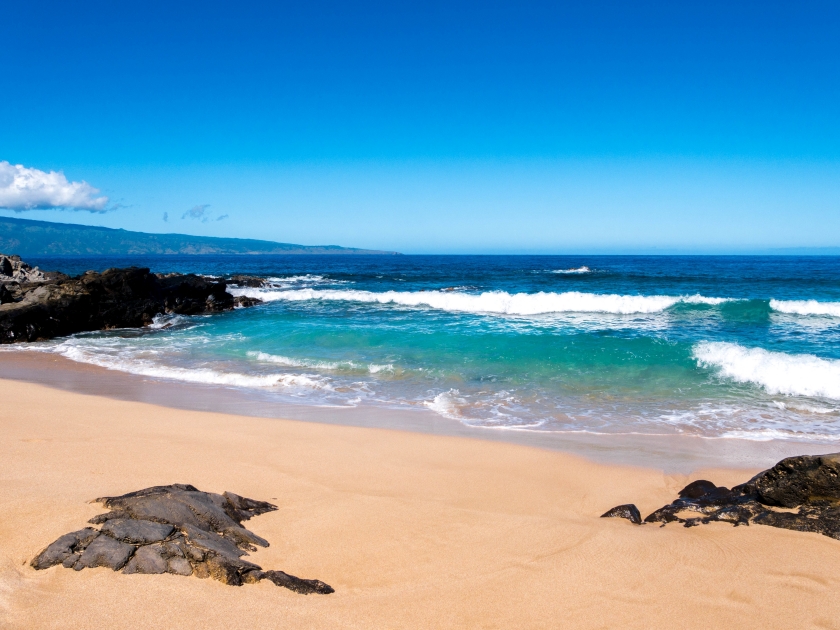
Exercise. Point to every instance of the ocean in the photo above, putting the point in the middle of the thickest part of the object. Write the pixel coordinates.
(712, 346)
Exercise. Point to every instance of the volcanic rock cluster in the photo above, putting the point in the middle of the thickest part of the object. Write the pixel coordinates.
(799, 493)
(173, 529)
(38, 305)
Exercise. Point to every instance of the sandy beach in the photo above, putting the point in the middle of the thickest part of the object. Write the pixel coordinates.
(420, 316)
(413, 531)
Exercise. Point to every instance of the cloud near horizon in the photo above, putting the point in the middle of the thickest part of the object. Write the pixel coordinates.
(197, 212)
(23, 188)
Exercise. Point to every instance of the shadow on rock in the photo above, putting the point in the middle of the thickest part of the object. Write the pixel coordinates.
(799, 493)
(174, 529)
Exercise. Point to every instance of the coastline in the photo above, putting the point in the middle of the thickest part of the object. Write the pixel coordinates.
(671, 453)
(412, 530)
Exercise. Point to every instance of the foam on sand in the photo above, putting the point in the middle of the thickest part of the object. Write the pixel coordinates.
(204, 376)
(776, 372)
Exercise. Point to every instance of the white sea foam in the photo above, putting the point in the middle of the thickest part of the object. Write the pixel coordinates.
(702, 299)
(207, 376)
(806, 307)
(294, 282)
(373, 368)
(577, 270)
(494, 302)
(767, 435)
(167, 321)
(499, 410)
(308, 278)
(446, 404)
(776, 372)
(805, 408)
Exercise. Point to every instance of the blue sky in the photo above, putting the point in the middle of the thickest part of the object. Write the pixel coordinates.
(449, 127)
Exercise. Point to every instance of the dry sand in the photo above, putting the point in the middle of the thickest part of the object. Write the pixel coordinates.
(413, 531)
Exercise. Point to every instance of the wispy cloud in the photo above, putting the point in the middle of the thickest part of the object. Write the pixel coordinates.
(224, 216)
(197, 212)
(23, 188)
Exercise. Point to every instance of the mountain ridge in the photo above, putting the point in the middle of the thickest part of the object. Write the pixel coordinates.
(28, 237)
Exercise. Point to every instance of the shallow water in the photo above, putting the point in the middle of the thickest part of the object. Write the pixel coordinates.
(741, 347)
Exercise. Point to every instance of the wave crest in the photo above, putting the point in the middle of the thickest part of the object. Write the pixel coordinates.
(493, 302)
(806, 307)
(776, 372)
(576, 270)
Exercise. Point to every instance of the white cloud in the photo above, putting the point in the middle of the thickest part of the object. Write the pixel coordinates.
(24, 188)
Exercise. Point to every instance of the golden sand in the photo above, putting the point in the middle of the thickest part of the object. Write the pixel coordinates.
(413, 531)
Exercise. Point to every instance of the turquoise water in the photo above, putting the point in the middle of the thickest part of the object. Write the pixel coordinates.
(711, 346)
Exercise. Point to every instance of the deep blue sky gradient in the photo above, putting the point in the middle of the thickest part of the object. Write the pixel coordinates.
(439, 127)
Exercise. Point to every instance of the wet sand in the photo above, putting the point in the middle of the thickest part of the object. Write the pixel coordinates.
(672, 453)
(413, 530)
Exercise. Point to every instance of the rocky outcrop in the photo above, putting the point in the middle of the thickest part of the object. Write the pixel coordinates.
(13, 269)
(55, 304)
(240, 281)
(628, 511)
(174, 529)
(799, 493)
(243, 301)
(247, 281)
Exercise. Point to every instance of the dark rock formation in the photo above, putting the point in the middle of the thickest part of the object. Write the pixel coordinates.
(6, 295)
(247, 281)
(799, 481)
(243, 301)
(104, 551)
(174, 529)
(136, 532)
(13, 269)
(51, 304)
(799, 493)
(628, 511)
(68, 546)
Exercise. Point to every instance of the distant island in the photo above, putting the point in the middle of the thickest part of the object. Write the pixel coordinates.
(43, 238)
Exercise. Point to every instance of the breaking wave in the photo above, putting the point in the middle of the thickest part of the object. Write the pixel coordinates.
(493, 302)
(806, 307)
(776, 372)
(576, 270)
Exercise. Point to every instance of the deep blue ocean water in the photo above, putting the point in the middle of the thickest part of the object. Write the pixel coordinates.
(709, 345)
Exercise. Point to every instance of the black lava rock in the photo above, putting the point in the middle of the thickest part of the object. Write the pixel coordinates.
(45, 305)
(247, 281)
(808, 484)
(174, 529)
(628, 511)
(795, 481)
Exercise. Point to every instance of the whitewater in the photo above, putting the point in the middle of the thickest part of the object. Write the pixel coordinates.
(713, 347)
(496, 302)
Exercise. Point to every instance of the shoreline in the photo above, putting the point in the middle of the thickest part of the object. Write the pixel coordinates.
(670, 453)
(412, 530)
